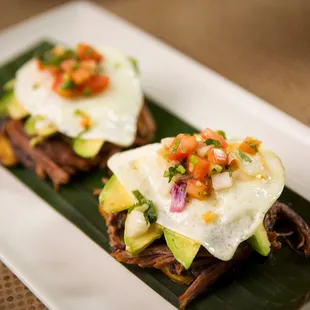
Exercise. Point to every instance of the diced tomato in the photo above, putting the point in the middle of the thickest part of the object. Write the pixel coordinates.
(250, 145)
(96, 84)
(53, 70)
(80, 76)
(89, 65)
(210, 134)
(85, 52)
(217, 156)
(85, 122)
(68, 65)
(196, 189)
(59, 90)
(197, 166)
(182, 146)
(40, 65)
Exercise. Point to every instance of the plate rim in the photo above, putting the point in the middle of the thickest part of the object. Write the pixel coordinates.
(153, 89)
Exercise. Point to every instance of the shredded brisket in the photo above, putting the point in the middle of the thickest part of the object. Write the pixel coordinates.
(55, 158)
(205, 269)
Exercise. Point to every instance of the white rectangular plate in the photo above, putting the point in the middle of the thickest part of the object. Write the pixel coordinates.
(60, 264)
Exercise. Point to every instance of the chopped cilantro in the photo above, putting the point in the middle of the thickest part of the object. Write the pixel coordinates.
(67, 85)
(216, 143)
(79, 112)
(150, 212)
(181, 169)
(139, 197)
(222, 133)
(117, 65)
(172, 171)
(230, 172)
(194, 160)
(134, 63)
(176, 145)
(245, 157)
(36, 85)
(253, 146)
(50, 58)
(217, 168)
(86, 92)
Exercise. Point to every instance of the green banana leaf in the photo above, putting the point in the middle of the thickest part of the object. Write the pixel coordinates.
(281, 281)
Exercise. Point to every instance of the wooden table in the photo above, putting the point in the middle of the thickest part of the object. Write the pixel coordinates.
(262, 45)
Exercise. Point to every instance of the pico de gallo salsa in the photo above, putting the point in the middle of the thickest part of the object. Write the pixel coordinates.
(202, 163)
(76, 72)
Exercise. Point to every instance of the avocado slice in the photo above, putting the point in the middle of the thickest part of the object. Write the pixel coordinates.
(135, 245)
(114, 197)
(183, 249)
(259, 241)
(87, 148)
(14, 109)
(32, 124)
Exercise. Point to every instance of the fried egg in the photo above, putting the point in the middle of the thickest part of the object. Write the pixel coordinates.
(114, 112)
(240, 209)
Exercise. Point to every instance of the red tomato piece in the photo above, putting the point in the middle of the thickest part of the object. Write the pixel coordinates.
(96, 84)
(89, 65)
(80, 76)
(210, 134)
(217, 156)
(40, 65)
(86, 52)
(250, 145)
(182, 146)
(59, 90)
(197, 166)
(68, 65)
(196, 189)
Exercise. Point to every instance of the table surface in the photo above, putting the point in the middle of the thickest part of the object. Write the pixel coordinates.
(261, 45)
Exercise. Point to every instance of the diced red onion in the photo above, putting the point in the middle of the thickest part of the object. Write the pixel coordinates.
(202, 151)
(184, 178)
(232, 157)
(221, 181)
(178, 197)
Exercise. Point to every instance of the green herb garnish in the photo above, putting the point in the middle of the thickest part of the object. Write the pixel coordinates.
(135, 64)
(36, 85)
(176, 145)
(86, 92)
(172, 171)
(253, 147)
(150, 213)
(117, 65)
(245, 157)
(216, 143)
(230, 172)
(217, 168)
(222, 133)
(49, 58)
(67, 85)
(194, 160)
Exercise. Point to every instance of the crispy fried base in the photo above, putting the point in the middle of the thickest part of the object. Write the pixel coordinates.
(54, 157)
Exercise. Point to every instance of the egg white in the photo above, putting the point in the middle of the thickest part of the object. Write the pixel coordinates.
(240, 208)
(114, 112)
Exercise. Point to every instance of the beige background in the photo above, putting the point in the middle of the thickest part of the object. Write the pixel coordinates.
(263, 45)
